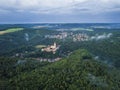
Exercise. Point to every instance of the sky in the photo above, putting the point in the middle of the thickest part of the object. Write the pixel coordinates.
(59, 11)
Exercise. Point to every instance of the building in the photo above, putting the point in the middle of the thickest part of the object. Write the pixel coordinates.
(52, 48)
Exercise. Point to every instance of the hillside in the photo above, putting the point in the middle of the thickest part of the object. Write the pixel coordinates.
(79, 71)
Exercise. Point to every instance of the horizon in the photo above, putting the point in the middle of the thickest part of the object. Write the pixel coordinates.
(62, 23)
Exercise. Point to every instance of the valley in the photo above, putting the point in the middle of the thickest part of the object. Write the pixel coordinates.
(61, 56)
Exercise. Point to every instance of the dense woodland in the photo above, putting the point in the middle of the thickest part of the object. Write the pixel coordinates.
(78, 71)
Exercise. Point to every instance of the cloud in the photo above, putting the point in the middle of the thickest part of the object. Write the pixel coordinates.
(100, 37)
(60, 6)
(60, 10)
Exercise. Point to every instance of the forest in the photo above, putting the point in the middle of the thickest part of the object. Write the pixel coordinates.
(78, 71)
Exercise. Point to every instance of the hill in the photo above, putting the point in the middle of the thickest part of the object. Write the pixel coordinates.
(79, 71)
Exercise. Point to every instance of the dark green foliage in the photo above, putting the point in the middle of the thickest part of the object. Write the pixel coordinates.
(78, 71)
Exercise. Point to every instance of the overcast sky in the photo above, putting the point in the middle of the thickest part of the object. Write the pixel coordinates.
(63, 11)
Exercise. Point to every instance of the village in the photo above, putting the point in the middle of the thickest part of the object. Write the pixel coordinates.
(71, 35)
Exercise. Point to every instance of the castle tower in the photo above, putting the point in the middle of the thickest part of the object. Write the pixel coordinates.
(55, 45)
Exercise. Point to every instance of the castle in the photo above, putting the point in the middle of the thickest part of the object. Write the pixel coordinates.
(52, 48)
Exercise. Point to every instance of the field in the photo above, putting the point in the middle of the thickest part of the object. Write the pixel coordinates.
(40, 46)
(10, 30)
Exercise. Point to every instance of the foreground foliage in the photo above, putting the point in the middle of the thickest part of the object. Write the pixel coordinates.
(79, 71)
